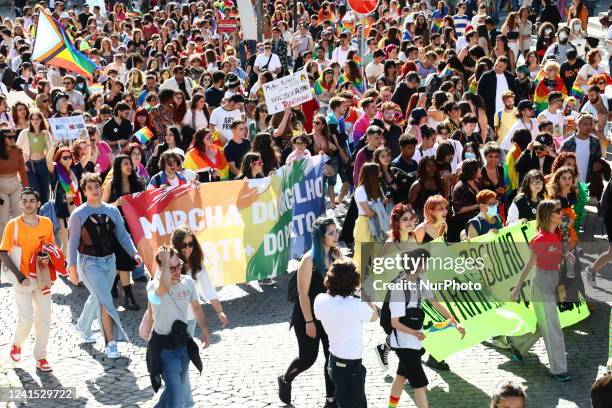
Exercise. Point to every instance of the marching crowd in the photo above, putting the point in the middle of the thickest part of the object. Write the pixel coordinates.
(451, 123)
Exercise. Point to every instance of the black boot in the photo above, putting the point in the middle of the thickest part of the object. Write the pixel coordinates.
(129, 302)
(114, 290)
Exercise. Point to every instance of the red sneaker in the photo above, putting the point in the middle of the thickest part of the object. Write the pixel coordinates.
(43, 365)
(15, 353)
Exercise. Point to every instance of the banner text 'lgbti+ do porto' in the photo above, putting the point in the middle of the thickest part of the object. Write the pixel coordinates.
(248, 229)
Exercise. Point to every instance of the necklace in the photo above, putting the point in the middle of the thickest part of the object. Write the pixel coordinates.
(30, 222)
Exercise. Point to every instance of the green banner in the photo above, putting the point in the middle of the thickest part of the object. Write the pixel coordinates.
(493, 262)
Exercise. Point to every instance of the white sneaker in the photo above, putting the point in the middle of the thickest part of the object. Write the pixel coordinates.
(111, 350)
(93, 338)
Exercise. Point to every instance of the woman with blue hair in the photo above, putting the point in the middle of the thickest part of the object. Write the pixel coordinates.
(308, 330)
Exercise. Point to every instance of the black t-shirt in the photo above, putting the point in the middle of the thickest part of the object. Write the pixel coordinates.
(391, 136)
(402, 95)
(113, 132)
(114, 101)
(234, 152)
(83, 18)
(569, 72)
(214, 97)
(19, 84)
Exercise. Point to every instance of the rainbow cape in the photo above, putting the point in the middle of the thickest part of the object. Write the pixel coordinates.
(540, 95)
(68, 183)
(198, 161)
(320, 87)
(54, 47)
(357, 83)
(144, 135)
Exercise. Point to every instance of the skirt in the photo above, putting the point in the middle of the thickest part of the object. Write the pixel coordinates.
(362, 234)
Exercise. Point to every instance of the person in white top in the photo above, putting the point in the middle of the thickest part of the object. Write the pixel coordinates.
(340, 53)
(375, 68)
(592, 67)
(196, 116)
(406, 337)
(553, 113)
(526, 121)
(428, 145)
(267, 61)
(190, 253)
(342, 316)
(222, 117)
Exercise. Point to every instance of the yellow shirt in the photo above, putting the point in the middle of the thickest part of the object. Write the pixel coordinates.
(508, 119)
(29, 238)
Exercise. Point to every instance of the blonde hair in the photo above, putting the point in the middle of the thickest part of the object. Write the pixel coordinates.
(552, 64)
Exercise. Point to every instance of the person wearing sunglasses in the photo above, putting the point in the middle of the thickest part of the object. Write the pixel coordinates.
(547, 254)
(251, 167)
(190, 253)
(13, 176)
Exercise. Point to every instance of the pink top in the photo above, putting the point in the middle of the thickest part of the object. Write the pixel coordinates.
(104, 156)
(295, 156)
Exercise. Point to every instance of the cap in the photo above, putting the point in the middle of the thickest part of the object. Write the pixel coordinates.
(543, 139)
(232, 81)
(525, 104)
(64, 15)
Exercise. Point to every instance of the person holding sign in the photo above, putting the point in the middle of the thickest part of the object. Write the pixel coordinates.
(546, 254)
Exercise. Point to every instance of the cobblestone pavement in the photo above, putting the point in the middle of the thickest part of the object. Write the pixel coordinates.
(241, 367)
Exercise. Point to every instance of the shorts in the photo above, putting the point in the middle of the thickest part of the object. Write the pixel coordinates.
(411, 368)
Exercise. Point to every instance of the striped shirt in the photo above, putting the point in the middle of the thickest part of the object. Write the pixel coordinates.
(461, 22)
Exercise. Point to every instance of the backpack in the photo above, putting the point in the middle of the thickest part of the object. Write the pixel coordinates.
(414, 316)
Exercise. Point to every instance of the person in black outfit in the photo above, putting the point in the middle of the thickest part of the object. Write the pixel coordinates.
(391, 131)
(487, 85)
(550, 13)
(123, 171)
(405, 169)
(525, 204)
(569, 69)
(214, 94)
(118, 129)
(539, 155)
(308, 330)
(405, 90)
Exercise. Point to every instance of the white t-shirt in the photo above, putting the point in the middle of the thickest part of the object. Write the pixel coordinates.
(204, 289)
(588, 71)
(339, 55)
(200, 119)
(397, 307)
(420, 152)
(582, 158)
(342, 319)
(557, 118)
(361, 197)
(173, 305)
(222, 120)
(519, 124)
(374, 70)
(262, 60)
(502, 86)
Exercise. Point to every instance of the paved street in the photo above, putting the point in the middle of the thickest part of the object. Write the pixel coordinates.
(242, 366)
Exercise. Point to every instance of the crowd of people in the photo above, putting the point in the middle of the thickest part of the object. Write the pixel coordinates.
(451, 123)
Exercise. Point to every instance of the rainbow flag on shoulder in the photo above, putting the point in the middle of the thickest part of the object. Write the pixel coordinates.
(144, 135)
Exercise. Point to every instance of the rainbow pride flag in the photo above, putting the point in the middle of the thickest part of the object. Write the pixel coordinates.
(199, 162)
(54, 47)
(540, 95)
(144, 135)
(319, 87)
(436, 25)
(577, 91)
(357, 83)
(511, 178)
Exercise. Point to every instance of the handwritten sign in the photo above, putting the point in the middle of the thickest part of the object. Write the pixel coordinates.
(68, 128)
(289, 91)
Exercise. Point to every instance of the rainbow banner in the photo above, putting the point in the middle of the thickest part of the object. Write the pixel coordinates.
(247, 228)
(53, 47)
(144, 135)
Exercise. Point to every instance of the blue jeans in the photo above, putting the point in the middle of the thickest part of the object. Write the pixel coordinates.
(98, 275)
(39, 178)
(138, 272)
(187, 394)
(175, 364)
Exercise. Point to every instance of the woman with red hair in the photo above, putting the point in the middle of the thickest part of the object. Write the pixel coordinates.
(488, 218)
(142, 119)
(401, 234)
(434, 225)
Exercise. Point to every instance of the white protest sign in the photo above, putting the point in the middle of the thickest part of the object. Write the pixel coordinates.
(292, 90)
(68, 128)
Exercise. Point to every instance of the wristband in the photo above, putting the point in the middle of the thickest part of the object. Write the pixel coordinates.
(310, 321)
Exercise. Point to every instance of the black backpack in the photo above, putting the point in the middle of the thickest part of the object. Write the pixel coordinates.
(414, 316)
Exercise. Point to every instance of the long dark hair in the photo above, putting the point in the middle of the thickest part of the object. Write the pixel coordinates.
(116, 183)
(319, 228)
(245, 166)
(525, 188)
(368, 178)
(262, 144)
(198, 139)
(423, 176)
(4, 154)
(196, 259)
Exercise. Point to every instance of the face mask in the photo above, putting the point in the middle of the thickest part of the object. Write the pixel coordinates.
(563, 36)
(492, 211)
(548, 31)
(470, 155)
(577, 27)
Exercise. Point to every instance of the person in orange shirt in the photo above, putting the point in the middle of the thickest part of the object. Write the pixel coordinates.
(28, 231)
